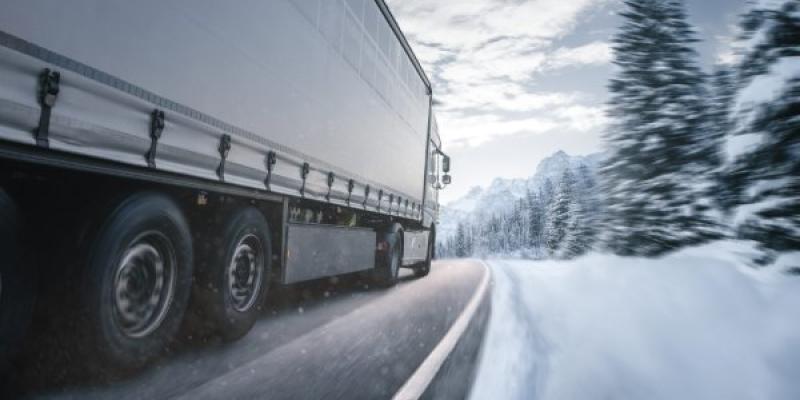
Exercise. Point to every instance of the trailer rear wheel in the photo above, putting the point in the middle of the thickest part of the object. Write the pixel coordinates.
(232, 282)
(424, 268)
(17, 283)
(390, 257)
(136, 282)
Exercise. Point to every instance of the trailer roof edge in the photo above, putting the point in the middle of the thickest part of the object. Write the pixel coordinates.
(387, 13)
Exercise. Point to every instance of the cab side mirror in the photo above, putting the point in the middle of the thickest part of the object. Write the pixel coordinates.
(446, 179)
(446, 164)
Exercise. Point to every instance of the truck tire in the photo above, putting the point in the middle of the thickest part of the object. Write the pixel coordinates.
(233, 279)
(423, 268)
(390, 258)
(17, 284)
(136, 283)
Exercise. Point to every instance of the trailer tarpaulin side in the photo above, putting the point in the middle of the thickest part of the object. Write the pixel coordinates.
(320, 99)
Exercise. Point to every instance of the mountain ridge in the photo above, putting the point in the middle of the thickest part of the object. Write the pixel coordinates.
(501, 194)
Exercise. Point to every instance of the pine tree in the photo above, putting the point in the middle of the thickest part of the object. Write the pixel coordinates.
(518, 228)
(765, 173)
(585, 218)
(461, 246)
(546, 195)
(585, 178)
(494, 237)
(723, 90)
(546, 192)
(480, 241)
(578, 235)
(560, 214)
(656, 177)
(535, 220)
(443, 248)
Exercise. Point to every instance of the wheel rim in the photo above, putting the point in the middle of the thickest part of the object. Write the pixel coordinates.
(144, 284)
(245, 272)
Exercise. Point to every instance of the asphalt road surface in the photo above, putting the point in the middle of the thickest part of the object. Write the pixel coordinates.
(331, 339)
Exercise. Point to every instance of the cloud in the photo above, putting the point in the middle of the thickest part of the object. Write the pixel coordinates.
(588, 54)
(477, 129)
(471, 23)
(484, 57)
(473, 130)
(499, 97)
(583, 118)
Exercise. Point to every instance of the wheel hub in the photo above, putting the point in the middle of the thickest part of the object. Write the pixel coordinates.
(144, 285)
(245, 273)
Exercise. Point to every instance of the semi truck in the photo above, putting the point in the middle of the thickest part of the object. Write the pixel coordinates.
(160, 159)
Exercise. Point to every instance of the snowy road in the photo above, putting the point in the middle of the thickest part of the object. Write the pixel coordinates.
(320, 341)
(688, 326)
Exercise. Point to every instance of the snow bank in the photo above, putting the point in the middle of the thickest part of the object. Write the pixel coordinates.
(697, 324)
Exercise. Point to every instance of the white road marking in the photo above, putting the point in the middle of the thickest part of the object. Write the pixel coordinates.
(416, 384)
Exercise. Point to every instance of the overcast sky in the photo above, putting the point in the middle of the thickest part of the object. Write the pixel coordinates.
(517, 80)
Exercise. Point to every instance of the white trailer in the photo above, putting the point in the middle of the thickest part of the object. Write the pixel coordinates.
(153, 144)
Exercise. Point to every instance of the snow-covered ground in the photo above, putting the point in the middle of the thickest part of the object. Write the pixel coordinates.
(697, 324)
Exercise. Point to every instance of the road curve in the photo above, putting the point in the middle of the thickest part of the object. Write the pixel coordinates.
(334, 339)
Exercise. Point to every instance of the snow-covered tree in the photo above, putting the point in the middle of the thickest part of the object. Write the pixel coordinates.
(578, 239)
(764, 151)
(656, 176)
(547, 192)
(587, 216)
(493, 234)
(723, 90)
(462, 246)
(722, 93)
(585, 178)
(518, 225)
(443, 248)
(536, 215)
(561, 214)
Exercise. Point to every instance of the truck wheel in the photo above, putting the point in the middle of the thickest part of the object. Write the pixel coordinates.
(233, 281)
(137, 282)
(390, 257)
(17, 284)
(423, 268)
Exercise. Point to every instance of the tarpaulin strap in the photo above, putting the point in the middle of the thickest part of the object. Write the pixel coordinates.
(331, 179)
(272, 159)
(48, 92)
(304, 174)
(224, 150)
(156, 128)
(350, 185)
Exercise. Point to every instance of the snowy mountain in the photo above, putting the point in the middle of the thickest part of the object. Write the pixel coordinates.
(502, 193)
